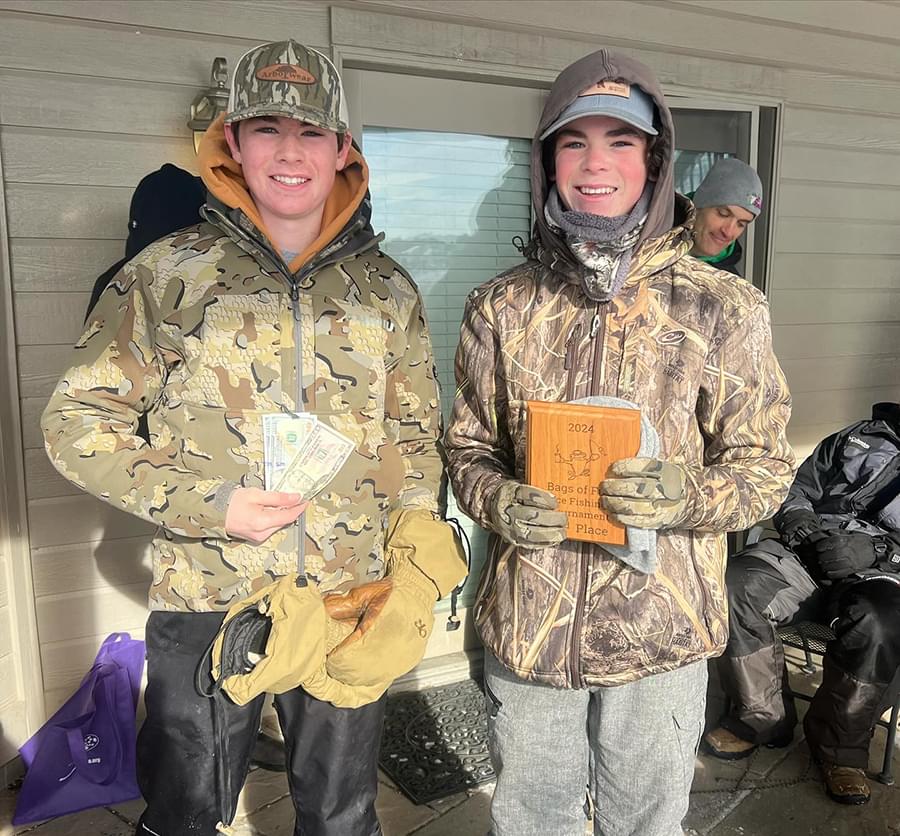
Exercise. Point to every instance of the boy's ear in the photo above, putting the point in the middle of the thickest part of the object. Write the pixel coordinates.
(344, 152)
(232, 141)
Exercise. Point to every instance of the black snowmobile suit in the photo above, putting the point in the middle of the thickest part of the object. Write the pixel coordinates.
(851, 483)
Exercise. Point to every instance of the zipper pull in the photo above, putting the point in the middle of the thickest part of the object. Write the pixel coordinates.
(571, 347)
(295, 301)
(595, 325)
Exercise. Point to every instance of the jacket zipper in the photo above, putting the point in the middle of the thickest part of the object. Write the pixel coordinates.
(569, 363)
(294, 287)
(596, 335)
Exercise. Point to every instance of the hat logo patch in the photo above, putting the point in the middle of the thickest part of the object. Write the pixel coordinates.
(290, 73)
(608, 88)
(755, 200)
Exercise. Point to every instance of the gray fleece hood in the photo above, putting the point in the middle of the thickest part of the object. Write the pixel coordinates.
(586, 72)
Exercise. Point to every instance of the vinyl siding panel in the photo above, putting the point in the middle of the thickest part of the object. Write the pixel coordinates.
(850, 166)
(842, 373)
(80, 567)
(880, 22)
(263, 19)
(51, 318)
(815, 235)
(857, 305)
(844, 340)
(94, 94)
(33, 99)
(672, 28)
(836, 271)
(88, 158)
(53, 265)
(40, 367)
(45, 210)
(81, 519)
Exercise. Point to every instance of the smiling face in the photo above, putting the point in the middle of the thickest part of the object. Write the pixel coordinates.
(289, 167)
(600, 165)
(715, 227)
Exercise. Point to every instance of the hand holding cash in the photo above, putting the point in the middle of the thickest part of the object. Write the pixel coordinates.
(255, 515)
(302, 455)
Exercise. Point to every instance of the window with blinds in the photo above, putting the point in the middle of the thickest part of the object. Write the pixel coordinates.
(450, 205)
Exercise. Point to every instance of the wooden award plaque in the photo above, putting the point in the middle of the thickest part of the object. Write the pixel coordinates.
(569, 448)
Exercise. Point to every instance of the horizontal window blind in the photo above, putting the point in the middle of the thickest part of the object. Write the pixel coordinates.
(691, 167)
(449, 205)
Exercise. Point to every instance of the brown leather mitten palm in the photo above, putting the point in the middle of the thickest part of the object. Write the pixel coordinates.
(392, 618)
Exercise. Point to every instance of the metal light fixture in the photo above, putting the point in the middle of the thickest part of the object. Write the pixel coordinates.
(211, 102)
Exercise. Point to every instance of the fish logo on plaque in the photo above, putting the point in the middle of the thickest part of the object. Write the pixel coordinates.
(568, 450)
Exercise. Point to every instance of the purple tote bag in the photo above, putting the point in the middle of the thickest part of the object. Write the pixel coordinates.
(84, 755)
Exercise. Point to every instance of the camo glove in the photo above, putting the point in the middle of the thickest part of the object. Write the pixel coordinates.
(646, 493)
(526, 516)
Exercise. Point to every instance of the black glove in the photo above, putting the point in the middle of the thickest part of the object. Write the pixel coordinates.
(840, 555)
(796, 526)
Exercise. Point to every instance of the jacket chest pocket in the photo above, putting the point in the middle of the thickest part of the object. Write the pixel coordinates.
(233, 343)
(351, 345)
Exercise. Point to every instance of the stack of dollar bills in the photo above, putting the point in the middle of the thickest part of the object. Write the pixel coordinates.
(303, 454)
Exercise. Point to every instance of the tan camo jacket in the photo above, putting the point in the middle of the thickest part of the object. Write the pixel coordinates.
(201, 331)
(688, 343)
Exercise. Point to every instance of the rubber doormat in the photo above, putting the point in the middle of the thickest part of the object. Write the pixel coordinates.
(435, 741)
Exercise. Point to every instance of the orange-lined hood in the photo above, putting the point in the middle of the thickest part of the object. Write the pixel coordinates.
(224, 179)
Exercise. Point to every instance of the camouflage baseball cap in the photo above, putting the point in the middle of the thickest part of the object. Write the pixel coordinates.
(288, 79)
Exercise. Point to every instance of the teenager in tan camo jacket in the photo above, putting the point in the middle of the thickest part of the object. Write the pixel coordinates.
(595, 670)
(280, 302)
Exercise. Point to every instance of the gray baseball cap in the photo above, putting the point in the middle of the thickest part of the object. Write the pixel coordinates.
(618, 99)
(285, 78)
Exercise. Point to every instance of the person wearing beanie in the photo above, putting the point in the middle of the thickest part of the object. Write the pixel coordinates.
(728, 200)
(279, 305)
(595, 657)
